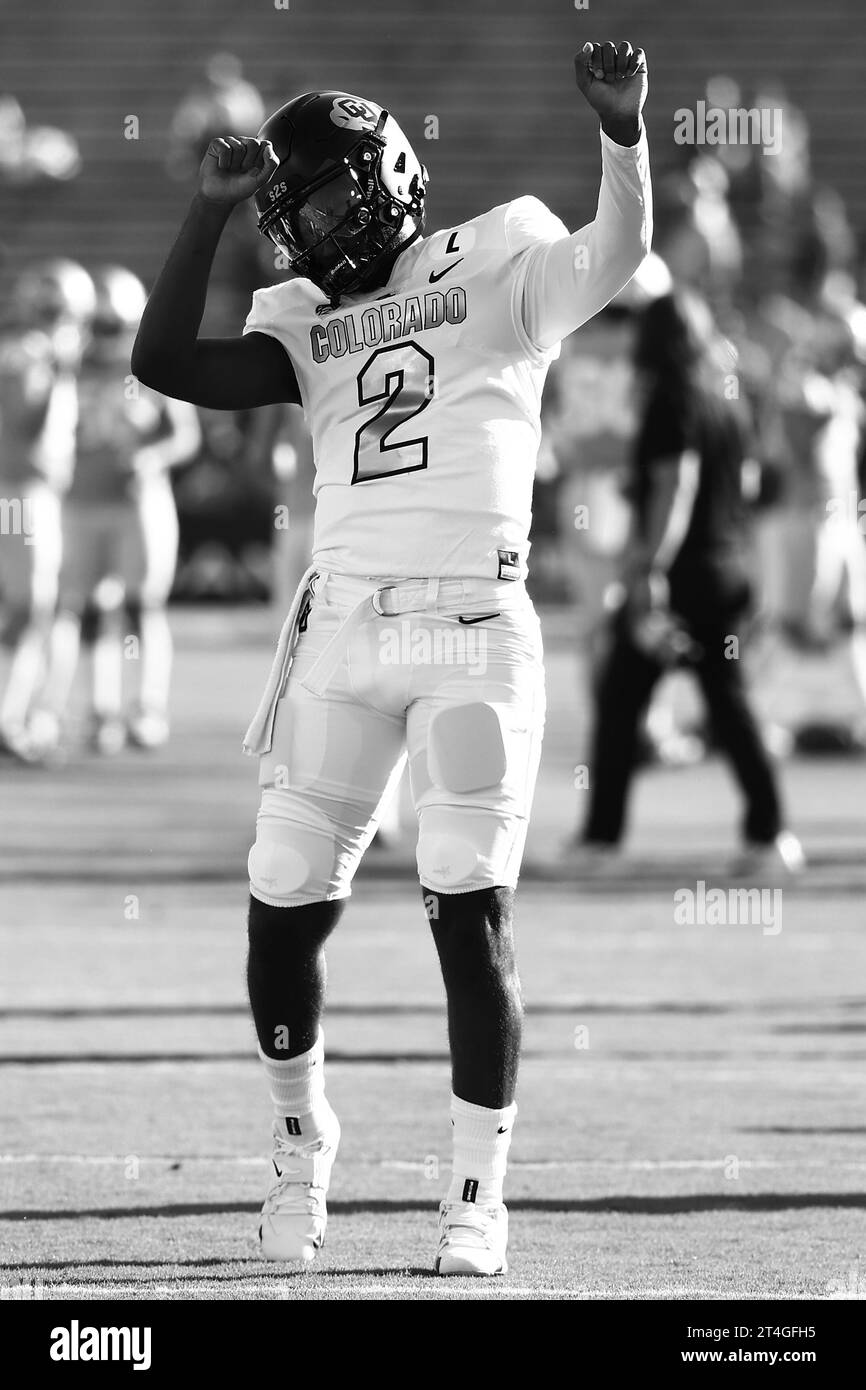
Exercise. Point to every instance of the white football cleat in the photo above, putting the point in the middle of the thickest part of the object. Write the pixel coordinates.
(148, 729)
(472, 1239)
(294, 1215)
(777, 861)
(43, 736)
(108, 735)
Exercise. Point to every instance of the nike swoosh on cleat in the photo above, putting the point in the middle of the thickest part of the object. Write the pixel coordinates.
(437, 274)
(468, 622)
(504, 1130)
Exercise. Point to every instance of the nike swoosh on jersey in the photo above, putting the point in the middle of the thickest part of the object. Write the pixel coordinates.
(468, 622)
(437, 274)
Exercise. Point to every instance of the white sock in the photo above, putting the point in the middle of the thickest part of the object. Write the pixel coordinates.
(25, 674)
(298, 1093)
(108, 670)
(156, 658)
(481, 1138)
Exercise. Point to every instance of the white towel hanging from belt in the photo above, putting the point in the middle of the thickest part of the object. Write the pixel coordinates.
(258, 737)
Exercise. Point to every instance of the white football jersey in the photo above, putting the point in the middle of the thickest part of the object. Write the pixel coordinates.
(423, 397)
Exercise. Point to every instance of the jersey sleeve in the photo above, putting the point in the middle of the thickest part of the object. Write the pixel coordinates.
(274, 311)
(563, 279)
(267, 308)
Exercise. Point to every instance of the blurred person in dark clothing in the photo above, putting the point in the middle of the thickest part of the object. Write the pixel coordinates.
(687, 586)
(591, 455)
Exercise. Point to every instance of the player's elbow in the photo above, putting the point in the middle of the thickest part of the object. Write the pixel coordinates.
(156, 369)
(145, 364)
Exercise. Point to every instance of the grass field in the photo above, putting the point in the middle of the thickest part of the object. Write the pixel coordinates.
(692, 1112)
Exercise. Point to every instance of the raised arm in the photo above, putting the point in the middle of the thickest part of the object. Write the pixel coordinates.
(219, 373)
(571, 279)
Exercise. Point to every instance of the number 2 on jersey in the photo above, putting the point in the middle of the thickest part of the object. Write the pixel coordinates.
(402, 379)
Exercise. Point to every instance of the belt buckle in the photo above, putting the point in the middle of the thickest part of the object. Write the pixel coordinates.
(386, 589)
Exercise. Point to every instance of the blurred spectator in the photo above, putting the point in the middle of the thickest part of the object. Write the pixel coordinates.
(41, 341)
(221, 102)
(34, 161)
(33, 154)
(225, 500)
(119, 534)
(700, 242)
(813, 569)
(280, 444)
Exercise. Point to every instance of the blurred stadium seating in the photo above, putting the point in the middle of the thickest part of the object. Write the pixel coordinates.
(508, 124)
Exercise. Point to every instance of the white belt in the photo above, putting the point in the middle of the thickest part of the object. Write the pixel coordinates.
(405, 596)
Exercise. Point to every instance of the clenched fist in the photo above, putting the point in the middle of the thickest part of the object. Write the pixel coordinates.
(613, 78)
(234, 167)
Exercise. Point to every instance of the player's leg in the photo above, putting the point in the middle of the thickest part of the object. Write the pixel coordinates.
(621, 698)
(475, 943)
(329, 765)
(81, 570)
(151, 563)
(25, 640)
(286, 979)
(720, 672)
(29, 568)
(23, 633)
(286, 983)
(474, 938)
(850, 543)
(108, 731)
(64, 645)
(474, 750)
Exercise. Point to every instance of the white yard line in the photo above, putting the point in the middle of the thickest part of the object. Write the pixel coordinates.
(418, 1165)
(172, 1292)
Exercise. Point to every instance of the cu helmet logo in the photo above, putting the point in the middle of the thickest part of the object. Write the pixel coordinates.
(351, 114)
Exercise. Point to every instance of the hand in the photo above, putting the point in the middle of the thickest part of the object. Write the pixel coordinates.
(614, 81)
(654, 629)
(647, 592)
(233, 168)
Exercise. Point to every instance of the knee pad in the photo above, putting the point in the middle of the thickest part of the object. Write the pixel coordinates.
(473, 811)
(464, 848)
(294, 859)
(466, 749)
(447, 862)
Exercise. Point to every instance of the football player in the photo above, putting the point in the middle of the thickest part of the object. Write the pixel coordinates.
(420, 363)
(120, 531)
(40, 349)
